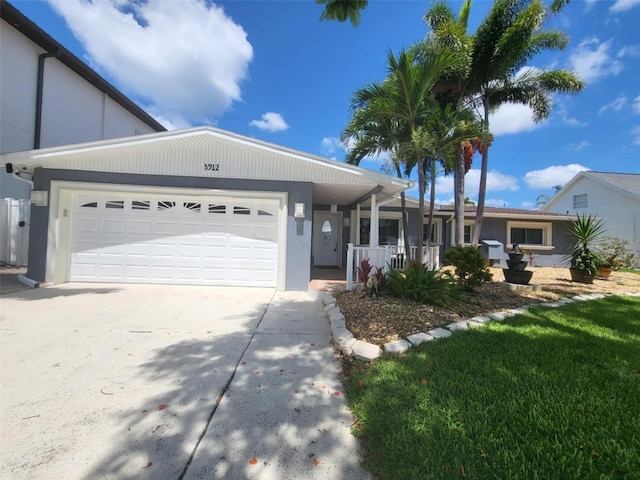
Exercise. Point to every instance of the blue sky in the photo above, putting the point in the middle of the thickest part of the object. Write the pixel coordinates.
(271, 70)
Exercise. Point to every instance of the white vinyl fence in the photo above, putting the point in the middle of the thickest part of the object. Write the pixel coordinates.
(14, 231)
(386, 257)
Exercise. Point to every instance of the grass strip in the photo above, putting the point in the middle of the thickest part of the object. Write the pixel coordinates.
(550, 394)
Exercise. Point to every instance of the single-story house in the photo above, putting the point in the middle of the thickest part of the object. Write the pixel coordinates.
(210, 207)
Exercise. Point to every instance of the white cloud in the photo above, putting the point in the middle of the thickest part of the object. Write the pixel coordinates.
(576, 147)
(592, 60)
(185, 59)
(551, 176)
(624, 5)
(496, 202)
(636, 105)
(617, 105)
(512, 118)
(636, 133)
(528, 205)
(330, 145)
(629, 51)
(271, 122)
(496, 181)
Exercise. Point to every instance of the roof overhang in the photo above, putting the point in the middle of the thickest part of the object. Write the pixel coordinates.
(229, 155)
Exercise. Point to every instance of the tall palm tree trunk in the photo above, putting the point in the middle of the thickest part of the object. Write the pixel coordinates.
(432, 202)
(482, 189)
(458, 181)
(421, 188)
(405, 226)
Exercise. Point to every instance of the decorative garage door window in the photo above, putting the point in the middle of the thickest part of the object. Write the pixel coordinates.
(174, 239)
(168, 205)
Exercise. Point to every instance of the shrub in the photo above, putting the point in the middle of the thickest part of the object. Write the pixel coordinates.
(364, 270)
(469, 266)
(416, 282)
(616, 253)
(381, 279)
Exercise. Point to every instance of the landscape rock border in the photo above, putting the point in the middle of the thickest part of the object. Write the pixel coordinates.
(349, 345)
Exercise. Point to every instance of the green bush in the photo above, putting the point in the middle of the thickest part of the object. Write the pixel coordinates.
(420, 284)
(469, 266)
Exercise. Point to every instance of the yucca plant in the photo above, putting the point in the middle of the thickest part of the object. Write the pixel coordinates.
(586, 230)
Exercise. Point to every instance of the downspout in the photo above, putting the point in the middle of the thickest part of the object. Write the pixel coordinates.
(37, 131)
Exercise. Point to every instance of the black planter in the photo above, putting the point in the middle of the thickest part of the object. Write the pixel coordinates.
(517, 265)
(520, 277)
(580, 276)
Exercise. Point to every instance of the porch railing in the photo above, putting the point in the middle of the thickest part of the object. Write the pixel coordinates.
(430, 257)
(385, 257)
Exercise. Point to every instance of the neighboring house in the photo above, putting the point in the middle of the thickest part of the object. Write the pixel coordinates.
(207, 206)
(49, 97)
(614, 197)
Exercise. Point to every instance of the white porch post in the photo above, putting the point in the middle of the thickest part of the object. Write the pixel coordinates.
(373, 224)
(357, 225)
(349, 266)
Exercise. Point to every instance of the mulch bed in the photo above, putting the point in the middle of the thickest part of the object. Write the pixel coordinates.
(386, 319)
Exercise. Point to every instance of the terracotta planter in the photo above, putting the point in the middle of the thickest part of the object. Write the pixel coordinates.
(580, 276)
(605, 272)
(520, 277)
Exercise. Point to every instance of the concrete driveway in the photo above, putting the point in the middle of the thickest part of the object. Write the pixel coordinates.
(142, 381)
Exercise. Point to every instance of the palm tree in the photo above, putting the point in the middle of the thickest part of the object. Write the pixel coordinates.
(495, 77)
(370, 136)
(543, 198)
(402, 102)
(443, 133)
(447, 31)
(343, 10)
(507, 38)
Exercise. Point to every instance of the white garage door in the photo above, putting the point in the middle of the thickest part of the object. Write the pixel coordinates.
(174, 239)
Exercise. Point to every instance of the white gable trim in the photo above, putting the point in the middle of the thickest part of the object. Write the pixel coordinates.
(202, 152)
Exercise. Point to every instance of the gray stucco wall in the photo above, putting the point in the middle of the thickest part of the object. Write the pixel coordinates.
(298, 231)
(496, 229)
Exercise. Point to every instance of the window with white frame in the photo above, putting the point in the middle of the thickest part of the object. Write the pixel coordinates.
(529, 234)
(390, 230)
(580, 201)
(436, 230)
(468, 231)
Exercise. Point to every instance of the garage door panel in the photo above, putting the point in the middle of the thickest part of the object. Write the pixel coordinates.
(114, 225)
(116, 238)
(139, 226)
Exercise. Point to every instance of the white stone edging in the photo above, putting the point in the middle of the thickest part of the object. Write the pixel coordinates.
(349, 345)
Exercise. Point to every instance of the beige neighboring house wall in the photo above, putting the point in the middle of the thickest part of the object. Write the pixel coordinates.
(614, 197)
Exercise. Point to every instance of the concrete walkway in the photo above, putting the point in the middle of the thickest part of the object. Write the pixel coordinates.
(159, 382)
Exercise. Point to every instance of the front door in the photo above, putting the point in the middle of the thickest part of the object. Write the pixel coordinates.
(327, 239)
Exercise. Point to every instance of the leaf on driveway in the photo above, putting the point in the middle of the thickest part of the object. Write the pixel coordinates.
(297, 410)
(316, 461)
(253, 461)
(336, 393)
(162, 406)
(148, 465)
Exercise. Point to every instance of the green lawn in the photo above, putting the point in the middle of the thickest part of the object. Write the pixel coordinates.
(551, 394)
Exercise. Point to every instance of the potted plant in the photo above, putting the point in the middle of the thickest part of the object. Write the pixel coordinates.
(615, 253)
(585, 258)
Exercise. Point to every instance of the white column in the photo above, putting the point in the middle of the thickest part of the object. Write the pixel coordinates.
(349, 266)
(373, 224)
(357, 225)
